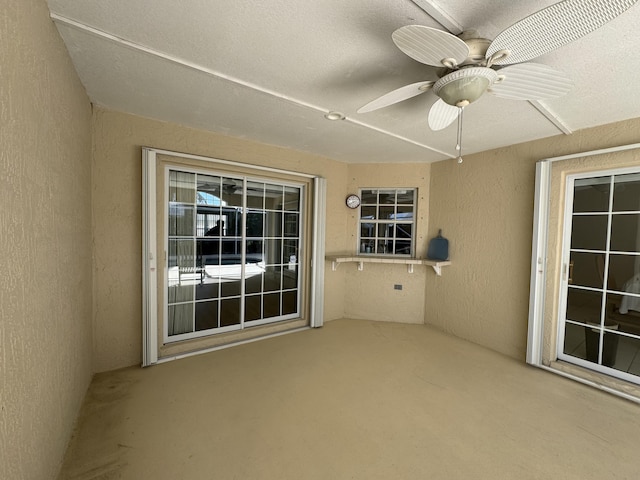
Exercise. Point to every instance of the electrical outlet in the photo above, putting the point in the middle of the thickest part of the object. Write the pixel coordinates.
(397, 287)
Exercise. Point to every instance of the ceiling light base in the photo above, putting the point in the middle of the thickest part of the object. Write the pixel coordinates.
(464, 86)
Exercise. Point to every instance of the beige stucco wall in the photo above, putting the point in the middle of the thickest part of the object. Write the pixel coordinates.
(485, 208)
(117, 212)
(45, 239)
(370, 293)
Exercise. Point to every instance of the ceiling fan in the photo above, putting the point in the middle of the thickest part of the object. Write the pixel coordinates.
(471, 66)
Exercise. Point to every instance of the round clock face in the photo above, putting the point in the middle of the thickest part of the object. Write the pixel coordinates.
(353, 201)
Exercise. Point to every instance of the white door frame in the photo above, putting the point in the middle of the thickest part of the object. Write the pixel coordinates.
(539, 246)
(539, 257)
(150, 254)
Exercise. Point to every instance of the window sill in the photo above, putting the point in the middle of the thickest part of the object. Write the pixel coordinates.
(336, 260)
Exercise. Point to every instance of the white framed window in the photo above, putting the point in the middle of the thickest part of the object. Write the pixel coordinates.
(387, 221)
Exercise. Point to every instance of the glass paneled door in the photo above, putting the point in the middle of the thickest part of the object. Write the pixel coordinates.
(233, 253)
(600, 300)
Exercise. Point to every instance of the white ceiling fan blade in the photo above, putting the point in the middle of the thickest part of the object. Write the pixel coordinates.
(429, 45)
(553, 27)
(531, 81)
(442, 115)
(397, 95)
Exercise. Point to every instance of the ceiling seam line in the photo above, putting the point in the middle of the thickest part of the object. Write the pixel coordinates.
(436, 12)
(399, 137)
(551, 117)
(178, 61)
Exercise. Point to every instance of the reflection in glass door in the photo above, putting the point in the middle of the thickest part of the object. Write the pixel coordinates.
(233, 253)
(600, 303)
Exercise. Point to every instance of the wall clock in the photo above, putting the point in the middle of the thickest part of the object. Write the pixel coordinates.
(353, 201)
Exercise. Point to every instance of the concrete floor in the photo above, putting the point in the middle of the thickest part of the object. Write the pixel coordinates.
(353, 400)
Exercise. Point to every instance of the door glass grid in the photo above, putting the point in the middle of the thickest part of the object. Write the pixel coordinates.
(232, 253)
(602, 315)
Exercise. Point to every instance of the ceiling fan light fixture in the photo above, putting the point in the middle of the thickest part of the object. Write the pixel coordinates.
(464, 86)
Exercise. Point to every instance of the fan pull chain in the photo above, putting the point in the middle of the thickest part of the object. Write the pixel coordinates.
(459, 144)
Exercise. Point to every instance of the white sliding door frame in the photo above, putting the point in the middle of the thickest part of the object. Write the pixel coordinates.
(318, 252)
(150, 254)
(149, 260)
(539, 267)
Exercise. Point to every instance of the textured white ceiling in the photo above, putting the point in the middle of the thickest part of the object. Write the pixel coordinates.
(268, 71)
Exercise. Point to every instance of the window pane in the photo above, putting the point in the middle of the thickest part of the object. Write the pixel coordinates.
(290, 249)
(210, 286)
(255, 195)
(368, 213)
(273, 252)
(206, 315)
(369, 197)
(402, 247)
(230, 286)
(231, 250)
(384, 246)
(180, 220)
(290, 278)
(253, 308)
(271, 305)
(208, 251)
(591, 194)
(229, 312)
(253, 283)
(255, 226)
(292, 199)
(387, 196)
(574, 341)
(273, 223)
(289, 303)
(584, 306)
(405, 197)
(626, 193)
(273, 278)
(367, 230)
(405, 211)
(385, 211)
(624, 233)
(621, 353)
(232, 192)
(209, 190)
(182, 187)
(291, 224)
(274, 197)
(254, 251)
(589, 232)
(180, 318)
(586, 270)
(622, 270)
(403, 230)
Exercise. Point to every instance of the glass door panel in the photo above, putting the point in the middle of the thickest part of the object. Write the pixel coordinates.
(233, 249)
(603, 275)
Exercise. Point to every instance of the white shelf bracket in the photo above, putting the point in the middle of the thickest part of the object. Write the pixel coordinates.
(360, 266)
(410, 268)
(437, 269)
(334, 265)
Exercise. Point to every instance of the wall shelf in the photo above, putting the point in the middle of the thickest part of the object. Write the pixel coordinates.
(336, 260)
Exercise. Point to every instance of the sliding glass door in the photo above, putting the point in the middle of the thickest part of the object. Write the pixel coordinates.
(600, 298)
(233, 248)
